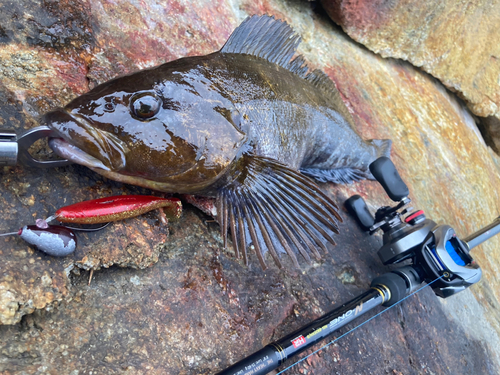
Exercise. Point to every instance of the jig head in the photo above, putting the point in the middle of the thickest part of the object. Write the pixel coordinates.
(59, 241)
(54, 240)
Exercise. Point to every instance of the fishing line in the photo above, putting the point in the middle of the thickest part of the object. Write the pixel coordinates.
(358, 326)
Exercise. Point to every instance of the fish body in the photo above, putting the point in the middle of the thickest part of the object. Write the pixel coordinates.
(238, 124)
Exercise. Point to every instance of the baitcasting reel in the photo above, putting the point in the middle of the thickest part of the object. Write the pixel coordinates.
(434, 250)
(431, 253)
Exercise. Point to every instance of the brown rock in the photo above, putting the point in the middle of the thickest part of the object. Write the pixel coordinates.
(455, 42)
(490, 129)
(198, 309)
(32, 280)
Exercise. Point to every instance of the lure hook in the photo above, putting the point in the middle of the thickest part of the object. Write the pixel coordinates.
(78, 229)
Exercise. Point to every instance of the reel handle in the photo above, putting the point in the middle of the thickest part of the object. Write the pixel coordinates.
(387, 175)
(357, 207)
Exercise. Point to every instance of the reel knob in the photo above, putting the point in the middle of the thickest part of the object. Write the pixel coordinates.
(357, 207)
(387, 175)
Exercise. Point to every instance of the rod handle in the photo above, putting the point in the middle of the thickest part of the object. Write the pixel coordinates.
(259, 363)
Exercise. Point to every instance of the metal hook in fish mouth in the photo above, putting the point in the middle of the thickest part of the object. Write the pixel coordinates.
(24, 142)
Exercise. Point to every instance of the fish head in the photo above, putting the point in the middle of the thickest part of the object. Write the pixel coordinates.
(163, 128)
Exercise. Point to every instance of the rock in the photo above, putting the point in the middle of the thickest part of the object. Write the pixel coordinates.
(198, 309)
(490, 129)
(455, 42)
(32, 280)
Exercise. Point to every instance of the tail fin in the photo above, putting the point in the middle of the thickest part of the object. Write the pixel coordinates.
(383, 147)
(350, 174)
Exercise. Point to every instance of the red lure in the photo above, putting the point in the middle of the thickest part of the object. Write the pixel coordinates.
(60, 241)
(115, 208)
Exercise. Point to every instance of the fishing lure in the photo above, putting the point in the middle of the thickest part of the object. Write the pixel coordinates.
(55, 240)
(59, 241)
(104, 210)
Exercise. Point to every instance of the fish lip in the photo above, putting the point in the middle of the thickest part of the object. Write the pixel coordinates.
(66, 148)
(74, 154)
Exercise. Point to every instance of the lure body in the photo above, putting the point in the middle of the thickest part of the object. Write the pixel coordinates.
(104, 210)
(60, 241)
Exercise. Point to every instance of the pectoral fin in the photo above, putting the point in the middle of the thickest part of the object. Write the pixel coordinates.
(274, 208)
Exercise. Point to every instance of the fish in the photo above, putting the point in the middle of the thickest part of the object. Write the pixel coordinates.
(250, 125)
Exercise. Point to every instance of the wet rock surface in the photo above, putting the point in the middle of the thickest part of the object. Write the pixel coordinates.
(32, 280)
(198, 309)
(183, 304)
(453, 41)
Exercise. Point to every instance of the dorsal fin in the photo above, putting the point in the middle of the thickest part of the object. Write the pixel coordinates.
(319, 79)
(274, 40)
(264, 37)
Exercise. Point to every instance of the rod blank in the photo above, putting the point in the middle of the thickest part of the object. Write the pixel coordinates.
(483, 234)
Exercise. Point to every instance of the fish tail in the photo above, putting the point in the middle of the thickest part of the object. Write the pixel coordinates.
(382, 147)
(350, 174)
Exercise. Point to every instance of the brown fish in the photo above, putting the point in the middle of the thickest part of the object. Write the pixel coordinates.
(238, 124)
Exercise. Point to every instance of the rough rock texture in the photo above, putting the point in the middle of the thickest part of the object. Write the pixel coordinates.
(197, 309)
(32, 280)
(455, 41)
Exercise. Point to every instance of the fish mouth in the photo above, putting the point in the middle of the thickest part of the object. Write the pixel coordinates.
(82, 143)
(72, 153)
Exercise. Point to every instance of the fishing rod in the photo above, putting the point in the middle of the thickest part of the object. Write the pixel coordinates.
(434, 255)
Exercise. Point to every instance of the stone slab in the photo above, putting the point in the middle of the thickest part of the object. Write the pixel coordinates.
(197, 309)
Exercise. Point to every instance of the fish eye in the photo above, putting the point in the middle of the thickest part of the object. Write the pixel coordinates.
(145, 106)
(110, 104)
(109, 107)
